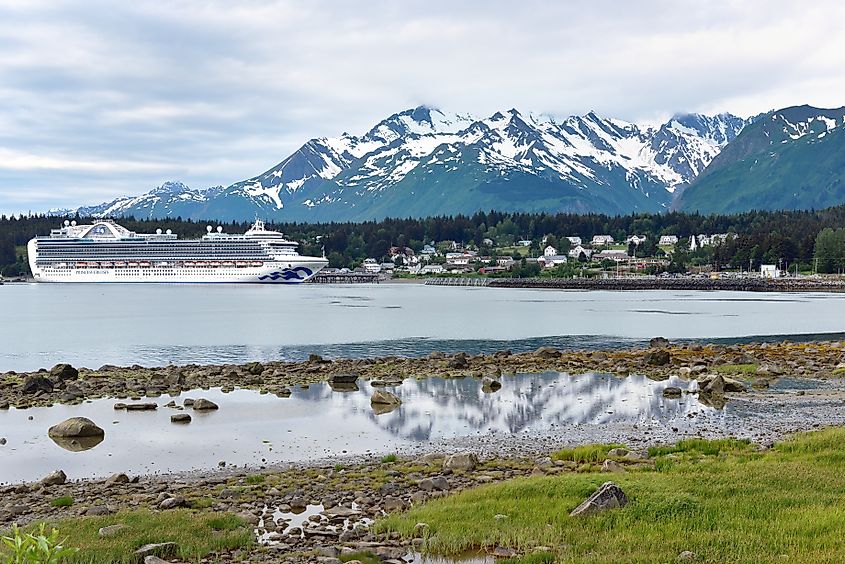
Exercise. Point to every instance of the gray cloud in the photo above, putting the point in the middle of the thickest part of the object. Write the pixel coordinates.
(100, 99)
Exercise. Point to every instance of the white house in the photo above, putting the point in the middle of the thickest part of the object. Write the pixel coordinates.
(574, 240)
(505, 262)
(668, 240)
(601, 240)
(549, 251)
(636, 239)
(524, 243)
(372, 266)
(428, 250)
(549, 261)
(576, 251)
(432, 269)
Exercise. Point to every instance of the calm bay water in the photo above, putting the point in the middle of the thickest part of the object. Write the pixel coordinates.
(92, 325)
(254, 429)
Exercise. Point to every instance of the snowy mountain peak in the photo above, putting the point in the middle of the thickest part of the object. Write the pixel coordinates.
(423, 161)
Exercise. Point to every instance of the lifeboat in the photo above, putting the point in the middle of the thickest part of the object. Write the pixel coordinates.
(201, 264)
(132, 264)
(227, 264)
(257, 263)
(188, 264)
(119, 264)
(241, 263)
(82, 265)
(214, 264)
(144, 264)
(106, 264)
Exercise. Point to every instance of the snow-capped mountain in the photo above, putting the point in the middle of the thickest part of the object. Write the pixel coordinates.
(424, 162)
(786, 159)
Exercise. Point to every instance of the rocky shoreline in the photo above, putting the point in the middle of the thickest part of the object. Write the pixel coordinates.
(342, 498)
(66, 384)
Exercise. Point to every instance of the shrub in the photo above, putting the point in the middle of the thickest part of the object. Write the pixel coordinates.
(40, 548)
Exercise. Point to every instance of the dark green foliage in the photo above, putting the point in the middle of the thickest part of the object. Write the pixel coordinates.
(770, 237)
(830, 250)
(766, 169)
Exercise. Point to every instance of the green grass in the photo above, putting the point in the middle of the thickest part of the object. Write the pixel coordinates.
(702, 447)
(255, 479)
(202, 503)
(64, 501)
(721, 500)
(196, 534)
(839, 371)
(585, 453)
(740, 369)
(389, 459)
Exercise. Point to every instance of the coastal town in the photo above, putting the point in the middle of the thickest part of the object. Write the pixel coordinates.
(567, 256)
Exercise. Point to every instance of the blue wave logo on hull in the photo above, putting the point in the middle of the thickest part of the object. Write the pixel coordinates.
(287, 274)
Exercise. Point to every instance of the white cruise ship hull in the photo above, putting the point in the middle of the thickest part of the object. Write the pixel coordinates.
(107, 252)
(296, 273)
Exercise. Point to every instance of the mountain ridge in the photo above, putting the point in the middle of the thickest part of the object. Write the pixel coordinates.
(422, 161)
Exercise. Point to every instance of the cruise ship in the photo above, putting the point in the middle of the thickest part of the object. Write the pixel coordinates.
(107, 252)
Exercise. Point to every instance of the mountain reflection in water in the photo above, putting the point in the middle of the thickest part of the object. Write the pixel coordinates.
(436, 408)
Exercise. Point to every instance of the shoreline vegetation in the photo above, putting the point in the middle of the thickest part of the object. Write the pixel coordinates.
(696, 500)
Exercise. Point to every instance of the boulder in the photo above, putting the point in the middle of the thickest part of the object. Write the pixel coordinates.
(161, 550)
(458, 361)
(203, 404)
(147, 406)
(611, 466)
(36, 383)
(732, 385)
(111, 530)
(461, 462)
(180, 418)
(56, 478)
(608, 496)
(62, 372)
(255, 368)
(434, 483)
(658, 343)
(173, 502)
(76, 427)
(490, 384)
(383, 397)
(657, 357)
(349, 378)
(547, 353)
(119, 478)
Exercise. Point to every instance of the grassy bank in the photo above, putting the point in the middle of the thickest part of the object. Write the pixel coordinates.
(721, 500)
(196, 534)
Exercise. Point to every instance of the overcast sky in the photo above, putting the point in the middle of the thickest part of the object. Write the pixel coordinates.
(101, 99)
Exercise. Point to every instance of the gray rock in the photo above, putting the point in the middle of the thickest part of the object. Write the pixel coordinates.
(344, 378)
(55, 478)
(434, 483)
(111, 530)
(461, 462)
(612, 466)
(146, 406)
(161, 549)
(618, 452)
(383, 397)
(119, 478)
(2, 441)
(490, 384)
(657, 357)
(203, 404)
(76, 427)
(96, 510)
(155, 560)
(62, 372)
(608, 496)
(658, 343)
(173, 502)
(180, 418)
(686, 555)
(36, 383)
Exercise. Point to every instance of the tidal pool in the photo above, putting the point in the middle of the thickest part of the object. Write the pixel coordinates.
(251, 429)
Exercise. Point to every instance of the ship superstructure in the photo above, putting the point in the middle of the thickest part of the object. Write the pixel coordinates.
(108, 252)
